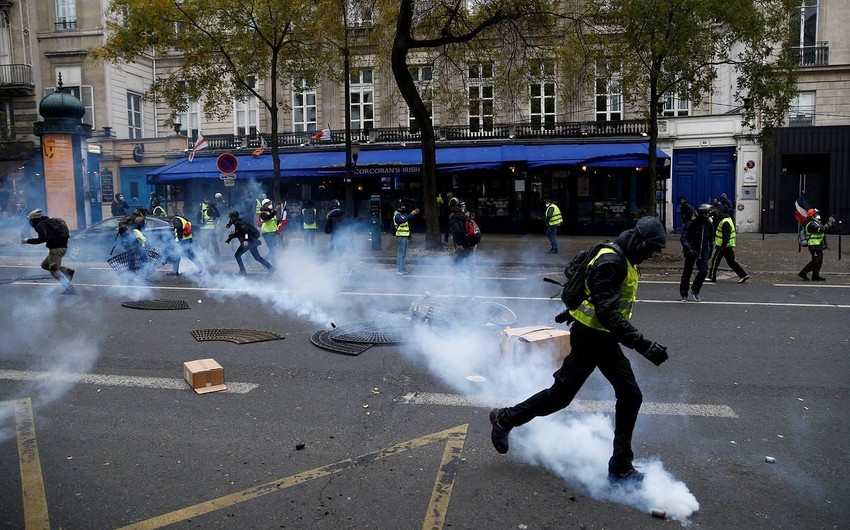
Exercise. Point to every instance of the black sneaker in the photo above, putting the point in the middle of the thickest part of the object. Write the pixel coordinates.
(803, 276)
(744, 279)
(818, 279)
(70, 274)
(499, 434)
(630, 477)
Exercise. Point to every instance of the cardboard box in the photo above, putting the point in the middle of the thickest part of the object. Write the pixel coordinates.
(518, 343)
(204, 375)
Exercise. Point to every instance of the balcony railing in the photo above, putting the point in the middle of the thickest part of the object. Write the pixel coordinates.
(454, 133)
(16, 79)
(817, 55)
(65, 24)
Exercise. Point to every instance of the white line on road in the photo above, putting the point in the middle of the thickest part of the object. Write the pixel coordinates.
(116, 380)
(265, 291)
(578, 405)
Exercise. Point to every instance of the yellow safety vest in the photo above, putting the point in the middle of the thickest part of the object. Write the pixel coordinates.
(718, 234)
(140, 237)
(315, 224)
(183, 222)
(269, 226)
(159, 211)
(814, 239)
(586, 314)
(556, 218)
(207, 221)
(401, 230)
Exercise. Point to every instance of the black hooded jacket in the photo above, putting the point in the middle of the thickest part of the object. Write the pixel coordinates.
(605, 278)
(49, 232)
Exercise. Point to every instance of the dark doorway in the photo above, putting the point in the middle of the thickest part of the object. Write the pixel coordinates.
(802, 174)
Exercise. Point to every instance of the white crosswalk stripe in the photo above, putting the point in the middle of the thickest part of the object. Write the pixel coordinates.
(116, 380)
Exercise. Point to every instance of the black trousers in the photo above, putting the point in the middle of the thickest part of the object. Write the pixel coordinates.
(252, 248)
(729, 254)
(815, 264)
(591, 349)
(702, 272)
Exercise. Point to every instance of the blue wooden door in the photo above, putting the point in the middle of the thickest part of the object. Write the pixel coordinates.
(701, 175)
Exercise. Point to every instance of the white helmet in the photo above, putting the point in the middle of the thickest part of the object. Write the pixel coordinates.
(265, 202)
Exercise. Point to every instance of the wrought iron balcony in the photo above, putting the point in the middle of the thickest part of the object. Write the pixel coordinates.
(817, 55)
(65, 23)
(443, 133)
(16, 80)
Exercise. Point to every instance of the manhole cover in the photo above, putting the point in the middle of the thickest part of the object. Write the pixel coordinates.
(156, 304)
(323, 340)
(238, 336)
(376, 332)
(460, 311)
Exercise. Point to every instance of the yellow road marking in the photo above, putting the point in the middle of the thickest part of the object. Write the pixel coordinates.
(32, 483)
(442, 492)
(453, 437)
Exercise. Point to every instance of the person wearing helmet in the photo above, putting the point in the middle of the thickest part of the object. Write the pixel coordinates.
(696, 246)
(815, 232)
(249, 239)
(268, 226)
(54, 233)
(725, 238)
(601, 324)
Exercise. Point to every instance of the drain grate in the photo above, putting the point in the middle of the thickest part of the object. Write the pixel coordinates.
(156, 304)
(237, 336)
(323, 340)
(375, 332)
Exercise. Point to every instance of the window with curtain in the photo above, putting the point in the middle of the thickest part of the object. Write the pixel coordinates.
(246, 113)
(134, 115)
(543, 108)
(362, 93)
(480, 91)
(609, 98)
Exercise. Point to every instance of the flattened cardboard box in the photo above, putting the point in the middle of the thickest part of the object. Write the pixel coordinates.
(204, 375)
(535, 340)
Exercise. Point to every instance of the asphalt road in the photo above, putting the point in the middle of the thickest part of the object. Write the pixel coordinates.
(398, 436)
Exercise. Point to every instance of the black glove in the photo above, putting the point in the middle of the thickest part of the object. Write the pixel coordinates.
(563, 316)
(656, 353)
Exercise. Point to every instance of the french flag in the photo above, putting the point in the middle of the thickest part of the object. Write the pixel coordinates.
(802, 208)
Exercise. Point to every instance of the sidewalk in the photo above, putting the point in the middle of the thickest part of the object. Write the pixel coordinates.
(776, 258)
(777, 255)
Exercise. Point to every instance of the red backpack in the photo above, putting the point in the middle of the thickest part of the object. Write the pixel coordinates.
(473, 233)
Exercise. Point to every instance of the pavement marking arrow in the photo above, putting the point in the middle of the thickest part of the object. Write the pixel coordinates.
(117, 380)
(578, 405)
(32, 481)
(435, 514)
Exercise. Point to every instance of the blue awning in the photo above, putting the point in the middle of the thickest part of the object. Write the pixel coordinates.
(408, 161)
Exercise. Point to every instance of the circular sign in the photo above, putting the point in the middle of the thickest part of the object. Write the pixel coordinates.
(750, 164)
(740, 207)
(226, 163)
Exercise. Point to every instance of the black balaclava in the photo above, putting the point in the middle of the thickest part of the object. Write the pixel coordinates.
(648, 230)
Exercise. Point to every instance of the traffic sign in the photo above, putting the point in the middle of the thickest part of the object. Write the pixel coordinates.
(226, 163)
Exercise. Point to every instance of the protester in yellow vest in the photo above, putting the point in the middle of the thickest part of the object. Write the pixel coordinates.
(601, 324)
(401, 221)
(310, 223)
(268, 226)
(725, 238)
(553, 221)
(815, 237)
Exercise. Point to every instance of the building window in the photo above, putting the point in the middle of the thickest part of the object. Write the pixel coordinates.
(134, 115)
(246, 113)
(609, 98)
(543, 95)
(480, 90)
(83, 93)
(676, 106)
(304, 114)
(362, 100)
(805, 24)
(191, 119)
(801, 113)
(422, 76)
(66, 14)
(359, 14)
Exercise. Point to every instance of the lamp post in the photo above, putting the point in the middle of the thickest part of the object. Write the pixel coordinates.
(346, 66)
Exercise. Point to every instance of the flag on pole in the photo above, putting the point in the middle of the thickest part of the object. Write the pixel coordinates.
(801, 209)
(258, 151)
(321, 136)
(200, 143)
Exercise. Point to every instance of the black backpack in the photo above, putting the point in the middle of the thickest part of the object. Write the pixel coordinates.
(309, 216)
(573, 291)
(56, 228)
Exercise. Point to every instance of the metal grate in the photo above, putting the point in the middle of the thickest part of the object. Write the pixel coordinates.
(237, 336)
(156, 304)
(120, 263)
(392, 331)
(323, 340)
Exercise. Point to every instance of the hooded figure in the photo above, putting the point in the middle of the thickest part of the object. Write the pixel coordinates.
(602, 323)
(54, 233)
